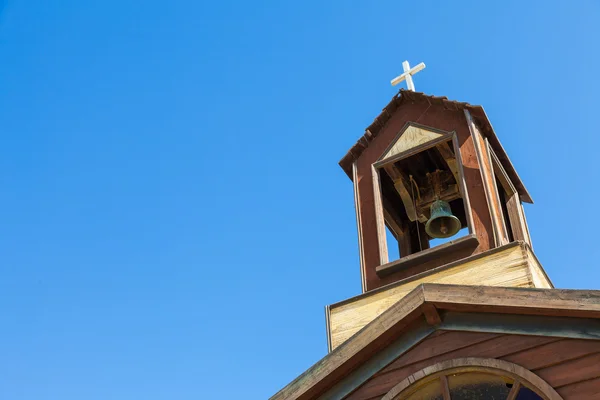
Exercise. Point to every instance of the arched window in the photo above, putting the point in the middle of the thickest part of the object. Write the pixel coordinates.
(473, 379)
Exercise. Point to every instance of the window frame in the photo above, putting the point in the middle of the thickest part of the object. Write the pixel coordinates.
(380, 212)
(516, 215)
(522, 378)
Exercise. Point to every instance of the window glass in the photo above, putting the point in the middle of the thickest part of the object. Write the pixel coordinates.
(476, 385)
(527, 394)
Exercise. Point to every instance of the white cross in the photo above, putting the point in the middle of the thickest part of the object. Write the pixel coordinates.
(408, 73)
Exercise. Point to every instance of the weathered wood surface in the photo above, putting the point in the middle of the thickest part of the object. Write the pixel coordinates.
(348, 356)
(441, 119)
(400, 317)
(512, 266)
(411, 137)
(472, 364)
(571, 366)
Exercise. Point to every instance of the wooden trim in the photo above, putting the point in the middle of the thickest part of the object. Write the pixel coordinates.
(432, 316)
(524, 220)
(486, 186)
(514, 391)
(346, 357)
(415, 150)
(445, 387)
(327, 327)
(462, 185)
(380, 221)
(472, 364)
(513, 203)
(469, 241)
(504, 231)
(430, 272)
(361, 256)
(407, 125)
(532, 325)
(377, 362)
(525, 301)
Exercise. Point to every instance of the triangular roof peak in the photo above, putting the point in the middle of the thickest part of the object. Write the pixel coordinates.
(406, 96)
(546, 312)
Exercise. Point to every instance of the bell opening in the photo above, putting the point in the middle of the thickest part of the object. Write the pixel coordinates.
(409, 188)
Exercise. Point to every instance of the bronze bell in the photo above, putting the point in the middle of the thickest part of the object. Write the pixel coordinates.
(442, 223)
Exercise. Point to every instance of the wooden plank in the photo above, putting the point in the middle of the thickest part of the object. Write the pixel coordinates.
(588, 390)
(438, 346)
(450, 158)
(403, 188)
(514, 391)
(521, 322)
(425, 254)
(552, 302)
(359, 225)
(554, 353)
(462, 185)
(432, 316)
(571, 372)
(380, 221)
(539, 278)
(486, 178)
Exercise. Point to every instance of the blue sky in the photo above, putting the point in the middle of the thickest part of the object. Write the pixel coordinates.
(173, 219)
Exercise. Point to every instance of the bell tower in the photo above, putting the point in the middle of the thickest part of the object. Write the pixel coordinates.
(432, 179)
(454, 303)
(431, 173)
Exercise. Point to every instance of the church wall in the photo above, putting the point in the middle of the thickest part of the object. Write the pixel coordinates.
(571, 366)
(438, 117)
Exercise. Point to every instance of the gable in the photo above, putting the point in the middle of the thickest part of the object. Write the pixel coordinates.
(550, 358)
(407, 97)
(567, 314)
(410, 137)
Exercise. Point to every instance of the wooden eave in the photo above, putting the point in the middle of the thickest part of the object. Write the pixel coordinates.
(477, 112)
(430, 302)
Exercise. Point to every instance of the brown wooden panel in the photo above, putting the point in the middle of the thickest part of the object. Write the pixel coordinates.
(436, 346)
(554, 353)
(445, 347)
(587, 390)
(569, 372)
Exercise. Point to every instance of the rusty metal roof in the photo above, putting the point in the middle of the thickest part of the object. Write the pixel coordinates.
(477, 112)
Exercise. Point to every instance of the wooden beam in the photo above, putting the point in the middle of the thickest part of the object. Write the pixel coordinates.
(379, 217)
(450, 158)
(450, 193)
(432, 316)
(402, 185)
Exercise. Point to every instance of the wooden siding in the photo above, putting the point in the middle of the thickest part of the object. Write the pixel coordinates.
(512, 266)
(571, 366)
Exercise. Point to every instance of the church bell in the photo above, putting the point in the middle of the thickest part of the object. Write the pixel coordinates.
(442, 223)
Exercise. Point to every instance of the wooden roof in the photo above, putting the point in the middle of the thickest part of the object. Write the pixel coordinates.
(441, 101)
(433, 303)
